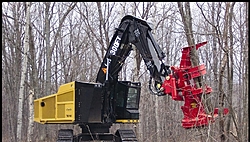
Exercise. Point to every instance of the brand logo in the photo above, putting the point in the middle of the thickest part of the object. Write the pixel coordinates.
(115, 46)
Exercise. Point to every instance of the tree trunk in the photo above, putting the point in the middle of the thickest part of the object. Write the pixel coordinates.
(43, 134)
(23, 75)
(31, 116)
(230, 70)
(187, 21)
(215, 56)
(222, 96)
(224, 46)
(245, 135)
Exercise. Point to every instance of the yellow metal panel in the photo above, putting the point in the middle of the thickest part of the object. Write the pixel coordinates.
(64, 97)
(60, 111)
(48, 110)
(56, 108)
(69, 113)
(36, 110)
(68, 87)
(65, 110)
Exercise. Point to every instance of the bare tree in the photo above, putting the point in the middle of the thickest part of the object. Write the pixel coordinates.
(246, 77)
(23, 76)
(31, 115)
(12, 56)
(225, 42)
(230, 69)
(50, 47)
(186, 17)
(187, 21)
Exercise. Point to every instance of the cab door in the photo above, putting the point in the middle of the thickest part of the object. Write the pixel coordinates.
(127, 100)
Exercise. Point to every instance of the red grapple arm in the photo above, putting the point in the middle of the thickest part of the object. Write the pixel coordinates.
(182, 87)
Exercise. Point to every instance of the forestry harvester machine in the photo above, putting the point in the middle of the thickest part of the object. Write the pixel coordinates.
(95, 106)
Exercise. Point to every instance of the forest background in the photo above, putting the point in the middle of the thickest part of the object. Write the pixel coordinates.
(46, 44)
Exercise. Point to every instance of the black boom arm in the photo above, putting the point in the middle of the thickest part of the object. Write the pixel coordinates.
(137, 32)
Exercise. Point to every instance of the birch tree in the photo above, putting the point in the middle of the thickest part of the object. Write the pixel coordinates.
(23, 74)
(33, 83)
(31, 113)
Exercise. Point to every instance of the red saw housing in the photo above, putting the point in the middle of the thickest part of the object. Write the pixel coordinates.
(181, 85)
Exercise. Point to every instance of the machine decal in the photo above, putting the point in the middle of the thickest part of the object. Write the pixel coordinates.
(115, 45)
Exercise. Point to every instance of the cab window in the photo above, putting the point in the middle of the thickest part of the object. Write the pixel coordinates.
(132, 98)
